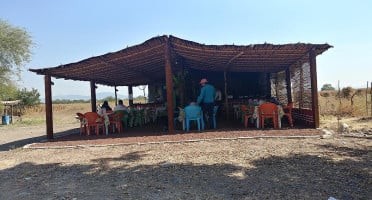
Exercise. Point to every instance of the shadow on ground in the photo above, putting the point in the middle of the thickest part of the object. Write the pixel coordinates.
(22, 142)
(298, 176)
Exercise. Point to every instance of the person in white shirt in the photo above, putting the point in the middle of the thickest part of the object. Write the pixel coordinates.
(104, 108)
(218, 97)
(121, 106)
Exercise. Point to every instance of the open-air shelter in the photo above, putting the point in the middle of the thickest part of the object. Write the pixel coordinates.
(286, 71)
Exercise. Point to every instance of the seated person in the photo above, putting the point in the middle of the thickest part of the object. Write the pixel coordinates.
(121, 106)
(192, 107)
(193, 103)
(104, 108)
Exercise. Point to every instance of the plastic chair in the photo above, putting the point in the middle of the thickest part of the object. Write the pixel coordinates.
(93, 121)
(193, 113)
(125, 118)
(131, 116)
(288, 113)
(268, 111)
(247, 112)
(83, 124)
(116, 120)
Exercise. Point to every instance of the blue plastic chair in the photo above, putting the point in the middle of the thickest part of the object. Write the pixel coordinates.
(215, 109)
(194, 113)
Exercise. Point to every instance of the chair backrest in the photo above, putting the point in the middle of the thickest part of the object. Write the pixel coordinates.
(193, 111)
(268, 109)
(247, 109)
(288, 108)
(91, 117)
(80, 116)
(118, 115)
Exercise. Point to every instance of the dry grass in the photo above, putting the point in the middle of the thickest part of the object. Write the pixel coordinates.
(329, 108)
(270, 168)
(331, 104)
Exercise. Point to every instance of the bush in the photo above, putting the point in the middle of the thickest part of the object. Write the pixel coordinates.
(29, 98)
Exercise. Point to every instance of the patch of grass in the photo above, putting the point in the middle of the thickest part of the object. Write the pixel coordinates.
(30, 121)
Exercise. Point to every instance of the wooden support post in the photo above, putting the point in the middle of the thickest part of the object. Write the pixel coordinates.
(268, 85)
(227, 68)
(288, 82)
(130, 95)
(93, 98)
(226, 99)
(367, 99)
(11, 114)
(116, 96)
(169, 86)
(314, 87)
(48, 106)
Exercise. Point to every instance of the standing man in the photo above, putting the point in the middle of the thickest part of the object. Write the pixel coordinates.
(206, 100)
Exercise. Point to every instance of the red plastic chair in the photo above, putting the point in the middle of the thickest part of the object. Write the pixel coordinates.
(116, 119)
(288, 113)
(247, 112)
(93, 121)
(268, 111)
(83, 126)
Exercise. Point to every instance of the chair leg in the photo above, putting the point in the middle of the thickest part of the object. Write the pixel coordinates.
(290, 121)
(187, 125)
(88, 130)
(198, 121)
(275, 121)
(97, 130)
(262, 121)
(246, 121)
(120, 128)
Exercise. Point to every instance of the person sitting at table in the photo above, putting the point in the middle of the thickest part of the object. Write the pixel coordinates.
(121, 106)
(104, 108)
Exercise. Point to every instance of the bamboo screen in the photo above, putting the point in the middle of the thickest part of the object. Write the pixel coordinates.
(300, 86)
(279, 87)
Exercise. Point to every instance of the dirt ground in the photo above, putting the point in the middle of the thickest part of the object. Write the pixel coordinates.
(337, 164)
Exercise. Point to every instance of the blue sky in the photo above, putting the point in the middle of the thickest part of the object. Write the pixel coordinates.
(71, 30)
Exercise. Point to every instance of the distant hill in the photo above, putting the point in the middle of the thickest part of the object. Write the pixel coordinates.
(99, 96)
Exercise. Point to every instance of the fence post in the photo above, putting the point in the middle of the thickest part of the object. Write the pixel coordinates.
(367, 99)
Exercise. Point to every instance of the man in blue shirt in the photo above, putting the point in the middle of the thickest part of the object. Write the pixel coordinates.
(206, 100)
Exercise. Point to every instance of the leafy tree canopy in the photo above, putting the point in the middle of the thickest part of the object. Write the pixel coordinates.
(327, 87)
(29, 98)
(15, 45)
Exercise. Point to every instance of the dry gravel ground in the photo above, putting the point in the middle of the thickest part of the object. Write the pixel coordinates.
(338, 165)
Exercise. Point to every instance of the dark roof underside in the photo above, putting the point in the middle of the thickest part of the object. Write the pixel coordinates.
(145, 63)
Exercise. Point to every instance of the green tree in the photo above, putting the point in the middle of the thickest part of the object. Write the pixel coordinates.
(29, 98)
(15, 45)
(8, 92)
(327, 87)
